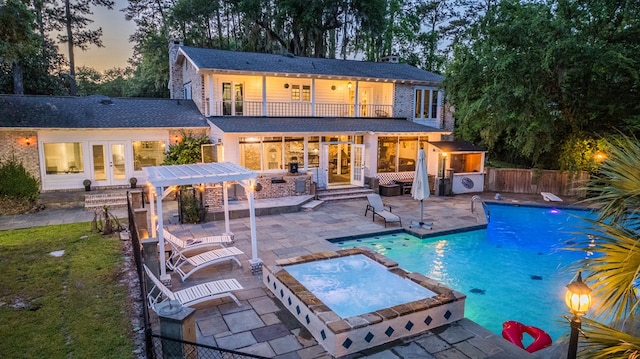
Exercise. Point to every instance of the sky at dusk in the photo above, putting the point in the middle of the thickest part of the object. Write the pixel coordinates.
(115, 38)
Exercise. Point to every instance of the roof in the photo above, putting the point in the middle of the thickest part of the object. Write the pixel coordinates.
(317, 124)
(97, 112)
(214, 59)
(179, 175)
(457, 146)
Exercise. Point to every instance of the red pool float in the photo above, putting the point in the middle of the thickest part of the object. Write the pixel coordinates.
(513, 331)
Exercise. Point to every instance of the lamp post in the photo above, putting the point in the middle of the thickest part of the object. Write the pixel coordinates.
(578, 299)
(441, 190)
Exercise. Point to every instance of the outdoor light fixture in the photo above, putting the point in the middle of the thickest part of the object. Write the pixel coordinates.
(578, 299)
(175, 138)
(349, 85)
(27, 141)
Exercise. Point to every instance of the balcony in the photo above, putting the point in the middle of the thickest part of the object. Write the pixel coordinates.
(297, 109)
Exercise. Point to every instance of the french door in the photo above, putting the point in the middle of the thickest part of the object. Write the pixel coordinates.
(357, 165)
(109, 162)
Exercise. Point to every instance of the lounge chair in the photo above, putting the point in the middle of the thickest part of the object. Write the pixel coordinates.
(377, 208)
(197, 243)
(159, 293)
(186, 266)
(548, 196)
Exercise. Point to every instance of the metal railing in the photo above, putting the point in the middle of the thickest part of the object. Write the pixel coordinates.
(164, 347)
(485, 207)
(298, 109)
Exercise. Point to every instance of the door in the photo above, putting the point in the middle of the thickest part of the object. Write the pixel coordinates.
(323, 177)
(232, 99)
(357, 165)
(109, 163)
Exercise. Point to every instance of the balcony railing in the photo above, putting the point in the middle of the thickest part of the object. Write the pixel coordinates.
(297, 109)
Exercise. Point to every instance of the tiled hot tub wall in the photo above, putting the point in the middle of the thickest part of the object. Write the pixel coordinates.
(342, 336)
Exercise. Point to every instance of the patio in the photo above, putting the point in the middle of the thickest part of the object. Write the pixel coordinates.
(261, 326)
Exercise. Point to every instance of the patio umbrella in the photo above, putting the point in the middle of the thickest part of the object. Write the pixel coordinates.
(420, 188)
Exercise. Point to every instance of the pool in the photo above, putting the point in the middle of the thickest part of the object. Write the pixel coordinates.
(513, 270)
(314, 289)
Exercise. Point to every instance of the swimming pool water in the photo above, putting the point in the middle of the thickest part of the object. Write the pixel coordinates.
(355, 285)
(513, 270)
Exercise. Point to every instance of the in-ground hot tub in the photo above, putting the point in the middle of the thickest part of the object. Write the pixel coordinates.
(355, 299)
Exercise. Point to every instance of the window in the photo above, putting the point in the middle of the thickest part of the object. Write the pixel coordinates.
(147, 153)
(466, 162)
(426, 100)
(313, 147)
(397, 154)
(63, 158)
(294, 150)
(250, 152)
(272, 147)
(295, 92)
(306, 93)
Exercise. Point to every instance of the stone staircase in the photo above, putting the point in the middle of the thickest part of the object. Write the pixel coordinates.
(340, 194)
(114, 199)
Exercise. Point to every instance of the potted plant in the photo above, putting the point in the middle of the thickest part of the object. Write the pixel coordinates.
(87, 185)
(133, 181)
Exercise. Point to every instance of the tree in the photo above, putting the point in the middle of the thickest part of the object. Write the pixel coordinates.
(189, 150)
(614, 266)
(529, 75)
(70, 18)
(18, 41)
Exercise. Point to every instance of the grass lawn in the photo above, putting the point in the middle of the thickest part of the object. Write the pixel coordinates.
(66, 307)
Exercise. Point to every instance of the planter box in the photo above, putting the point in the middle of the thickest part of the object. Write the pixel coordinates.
(389, 190)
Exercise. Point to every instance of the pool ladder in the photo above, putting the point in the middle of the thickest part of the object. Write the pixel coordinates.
(485, 207)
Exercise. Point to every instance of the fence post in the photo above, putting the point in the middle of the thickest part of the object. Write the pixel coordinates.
(177, 322)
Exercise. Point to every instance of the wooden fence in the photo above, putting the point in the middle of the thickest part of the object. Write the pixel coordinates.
(533, 181)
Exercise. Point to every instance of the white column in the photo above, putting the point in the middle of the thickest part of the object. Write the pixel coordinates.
(264, 95)
(225, 196)
(313, 98)
(152, 208)
(163, 268)
(252, 220)
(211, 99)
(356, 111)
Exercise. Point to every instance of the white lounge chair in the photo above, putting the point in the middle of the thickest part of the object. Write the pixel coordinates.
(548, 196)
(186, 266)
(197, 243)
(377, 208)
(159, 293)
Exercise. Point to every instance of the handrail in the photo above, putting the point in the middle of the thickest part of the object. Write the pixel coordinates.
(485, 207)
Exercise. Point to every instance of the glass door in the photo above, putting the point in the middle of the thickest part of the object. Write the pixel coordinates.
(109, 163)
(357, 165)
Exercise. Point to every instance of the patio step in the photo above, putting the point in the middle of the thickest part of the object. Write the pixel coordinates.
(344, 194)
(310, 206)
(111, 200)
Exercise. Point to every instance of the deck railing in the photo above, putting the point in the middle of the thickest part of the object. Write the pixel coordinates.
(297, 109)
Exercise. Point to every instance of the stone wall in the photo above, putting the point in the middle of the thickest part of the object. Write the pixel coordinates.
(270, 187)
(403, 101)
(175, 70)
(14, 143)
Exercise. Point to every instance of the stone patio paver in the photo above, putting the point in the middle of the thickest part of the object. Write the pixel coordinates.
(243, 321)
(270, 332)
(263, 305)
(236, 341)
(285, 344)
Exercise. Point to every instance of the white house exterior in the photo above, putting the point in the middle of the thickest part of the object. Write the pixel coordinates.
(343, 122)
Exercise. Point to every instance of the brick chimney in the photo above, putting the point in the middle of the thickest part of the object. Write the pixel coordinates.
(175, 70)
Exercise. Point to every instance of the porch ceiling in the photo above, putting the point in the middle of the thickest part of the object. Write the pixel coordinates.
(164, 176)
(236, 124)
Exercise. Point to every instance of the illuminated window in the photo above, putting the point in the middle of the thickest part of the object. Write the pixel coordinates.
(250, 150)
(63, 158)
(148, 153)
(466, 162)
(397, 154)
(295, 92)
(306, 93)
(426, 102)
(294, 151)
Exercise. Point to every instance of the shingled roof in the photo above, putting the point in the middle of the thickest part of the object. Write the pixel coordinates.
(97, 112)
(212, 59)
(317, 124)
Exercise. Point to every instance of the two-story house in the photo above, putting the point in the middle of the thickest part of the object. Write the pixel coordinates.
(342, 121)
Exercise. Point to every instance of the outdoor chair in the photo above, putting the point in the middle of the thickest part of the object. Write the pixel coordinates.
(159, 293)
(186, 245)
(186, 266)
(377, 208)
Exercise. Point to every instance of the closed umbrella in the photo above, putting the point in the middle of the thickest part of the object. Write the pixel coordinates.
(420, 188)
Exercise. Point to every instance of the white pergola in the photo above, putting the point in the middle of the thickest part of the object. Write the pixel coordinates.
(162, 180)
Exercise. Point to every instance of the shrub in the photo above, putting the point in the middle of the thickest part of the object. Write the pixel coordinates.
(16, 182)
(187, 151)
